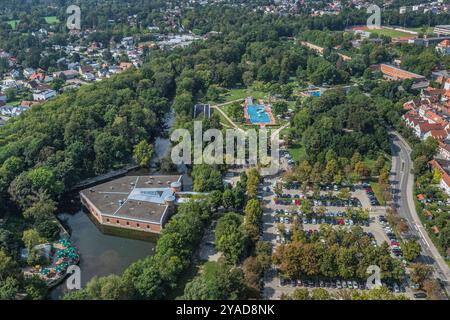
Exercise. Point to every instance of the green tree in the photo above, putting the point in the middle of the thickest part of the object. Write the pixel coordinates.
(252, 219)
(228, 199)
(320, 294)
(229, 236)
(420, 272)
(301, 294)
(411, 250)
(111, 287)
(280, 107)
(142, 153)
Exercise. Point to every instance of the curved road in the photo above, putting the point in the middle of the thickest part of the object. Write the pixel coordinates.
(402, 181)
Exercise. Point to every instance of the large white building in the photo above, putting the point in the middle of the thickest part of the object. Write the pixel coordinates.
(44, 95)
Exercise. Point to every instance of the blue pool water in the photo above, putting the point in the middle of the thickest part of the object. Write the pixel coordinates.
(258, 114)
(314, 93)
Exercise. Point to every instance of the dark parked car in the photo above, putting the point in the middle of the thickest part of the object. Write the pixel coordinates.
(420, 295)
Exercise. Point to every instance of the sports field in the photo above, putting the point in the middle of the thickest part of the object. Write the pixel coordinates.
(390, 33)
(49, 20)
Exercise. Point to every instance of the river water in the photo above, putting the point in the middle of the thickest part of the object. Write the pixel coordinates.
(105, 251)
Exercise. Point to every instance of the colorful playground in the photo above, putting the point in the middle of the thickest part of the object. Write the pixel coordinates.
(61, 255)
(259, 114)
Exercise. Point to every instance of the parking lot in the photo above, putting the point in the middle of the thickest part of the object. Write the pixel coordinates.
(283, 213)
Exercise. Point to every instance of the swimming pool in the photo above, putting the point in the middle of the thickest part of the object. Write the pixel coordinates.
(258, 114)
(313, 93)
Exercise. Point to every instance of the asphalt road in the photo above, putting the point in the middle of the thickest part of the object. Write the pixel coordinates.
(402, 181)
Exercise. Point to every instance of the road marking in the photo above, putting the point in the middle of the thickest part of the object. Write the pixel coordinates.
(420, 231)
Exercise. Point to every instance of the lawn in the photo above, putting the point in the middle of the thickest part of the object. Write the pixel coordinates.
(370, 163)
(235, 94)
(13, 23)
(297, 152)
(209, 269)
(14, 103)
(389, 33)
(51, 19)
(426, 30)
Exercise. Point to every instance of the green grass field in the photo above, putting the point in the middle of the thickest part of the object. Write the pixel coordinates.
(390, 33)
(426, 30)
(13, 23)
(51, 19)
(297, 152)
(235, 94)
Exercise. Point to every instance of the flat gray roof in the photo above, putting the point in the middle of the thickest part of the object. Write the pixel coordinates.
(139, 198)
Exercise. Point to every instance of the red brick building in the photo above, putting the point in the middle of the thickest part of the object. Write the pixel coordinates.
(141, 203)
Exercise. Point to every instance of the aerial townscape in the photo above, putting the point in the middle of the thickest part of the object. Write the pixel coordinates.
(100, 99)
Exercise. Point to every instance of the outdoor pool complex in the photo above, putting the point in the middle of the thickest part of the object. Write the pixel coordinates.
(257, 113)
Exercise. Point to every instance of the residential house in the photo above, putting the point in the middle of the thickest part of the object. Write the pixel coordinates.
(435, 118)
(438, 134)
(66, 74)
(125, 66)
(89, 76)
(428, 215)
(445, 178)
(444, 47)
(11, 111)
(28, 72)
(444, 150)
(422, 127)
(36, 86)
(432, 94)
(409, 105)
(27, 104)
(37, 76)
(83, 70)
(447, 85)
(127, 41)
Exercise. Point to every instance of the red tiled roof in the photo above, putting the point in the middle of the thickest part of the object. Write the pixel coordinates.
(439, 134)
(38, 75)
(435, 230)
(444, 44)
(427, 213)
(25, 103)
(426, 126)
(410, 105)
(447, 93)
(398, 73)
